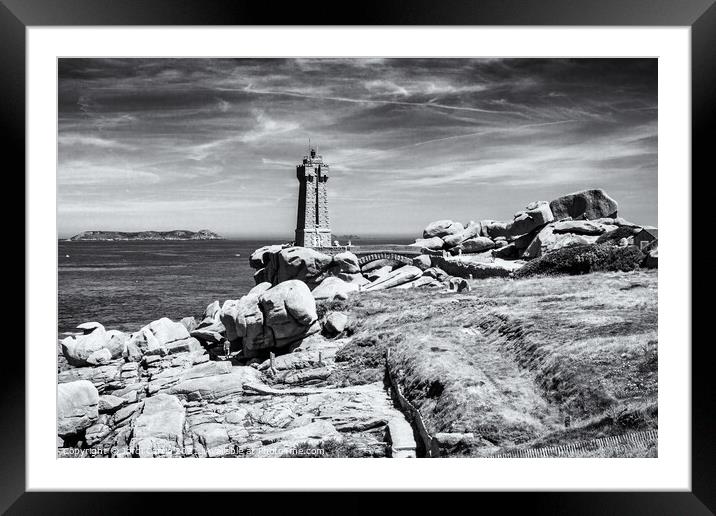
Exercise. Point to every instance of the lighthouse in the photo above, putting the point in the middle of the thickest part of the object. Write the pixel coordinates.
(313, 228)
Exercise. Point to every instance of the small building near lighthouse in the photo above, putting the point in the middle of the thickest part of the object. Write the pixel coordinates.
(313, 228)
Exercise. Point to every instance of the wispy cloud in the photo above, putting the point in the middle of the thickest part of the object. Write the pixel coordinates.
(162, 140)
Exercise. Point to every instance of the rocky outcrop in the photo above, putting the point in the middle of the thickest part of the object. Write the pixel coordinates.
(181, 405)
(585, 217)
(442, 228)
(587, 204)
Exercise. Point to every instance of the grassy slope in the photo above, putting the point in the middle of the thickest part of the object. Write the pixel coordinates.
(511, 359)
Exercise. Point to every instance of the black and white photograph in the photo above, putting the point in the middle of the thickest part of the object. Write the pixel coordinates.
(358, 257)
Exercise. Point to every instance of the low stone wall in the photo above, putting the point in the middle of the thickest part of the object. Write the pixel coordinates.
(412, 414)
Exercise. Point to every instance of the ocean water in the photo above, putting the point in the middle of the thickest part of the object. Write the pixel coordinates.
(125, 285)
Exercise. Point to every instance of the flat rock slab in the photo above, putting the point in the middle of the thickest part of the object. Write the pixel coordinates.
(217, 386)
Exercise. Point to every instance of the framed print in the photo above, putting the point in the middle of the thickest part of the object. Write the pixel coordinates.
(425, 235)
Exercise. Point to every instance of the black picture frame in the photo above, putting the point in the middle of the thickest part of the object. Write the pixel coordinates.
(700, 15)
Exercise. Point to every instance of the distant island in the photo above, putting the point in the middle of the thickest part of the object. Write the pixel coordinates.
(180, 234)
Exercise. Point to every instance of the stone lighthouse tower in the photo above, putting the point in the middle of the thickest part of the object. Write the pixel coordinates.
(312, 226)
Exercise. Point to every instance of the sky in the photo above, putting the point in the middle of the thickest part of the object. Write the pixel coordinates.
(162, 144)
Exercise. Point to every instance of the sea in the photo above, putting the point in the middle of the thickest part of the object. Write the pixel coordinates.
(126, 285)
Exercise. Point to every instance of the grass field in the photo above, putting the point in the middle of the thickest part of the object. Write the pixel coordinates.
(519, 363)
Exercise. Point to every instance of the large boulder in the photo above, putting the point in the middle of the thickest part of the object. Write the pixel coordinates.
(507, 252)
(395, 278)
(475, 245)
(77, 407)
(472, 230)
(434, 243)
(336, 323)
(587, 204)
(211, 313)
(347, 262)
(89, 327)
(535, 215)
(242, 318)
(289, 313)
(422, 262)
(332, 288)
(165, 331)
(494, 229)
(189, 323)
(441, 228)
(78, 349)
(116, 343)
(299, 263)
(259, 258)
(95, 342)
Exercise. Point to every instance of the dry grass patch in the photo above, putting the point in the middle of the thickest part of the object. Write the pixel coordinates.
(512, 360)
